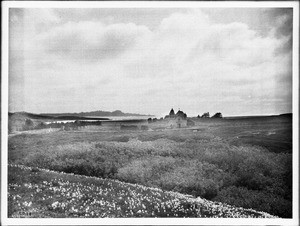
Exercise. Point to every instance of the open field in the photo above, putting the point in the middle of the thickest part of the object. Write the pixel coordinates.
(245, 163)
(273, 133)
(42, 193)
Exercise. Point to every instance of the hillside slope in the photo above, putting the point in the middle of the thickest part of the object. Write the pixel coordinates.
(35, 192)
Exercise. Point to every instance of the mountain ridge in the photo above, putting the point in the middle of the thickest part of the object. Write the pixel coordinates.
(116, 113)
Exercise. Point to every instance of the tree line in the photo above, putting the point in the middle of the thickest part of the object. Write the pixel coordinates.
(206, 115)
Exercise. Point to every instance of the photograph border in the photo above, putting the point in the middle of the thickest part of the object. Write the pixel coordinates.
(6, 5)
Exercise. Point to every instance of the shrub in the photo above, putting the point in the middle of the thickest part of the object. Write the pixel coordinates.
(205, 115)
(199, 164)
(262, 201)
(28, 124)
(184, 182)
(145, 171)
(38, 159)
(217, 115)
(192, 177)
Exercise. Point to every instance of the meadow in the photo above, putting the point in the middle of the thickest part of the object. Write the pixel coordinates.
(40, 193)
(215, 161)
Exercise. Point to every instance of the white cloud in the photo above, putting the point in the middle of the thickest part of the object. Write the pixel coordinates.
(187, 61)
(91, 41)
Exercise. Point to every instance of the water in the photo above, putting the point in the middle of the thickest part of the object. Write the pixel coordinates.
(124, 117)
(111, 118)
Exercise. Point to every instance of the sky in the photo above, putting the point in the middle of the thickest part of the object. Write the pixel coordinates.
(237, 61)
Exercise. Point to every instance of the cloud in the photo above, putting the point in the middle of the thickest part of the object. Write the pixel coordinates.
(91, 41)
(180, 23)
(282, 27)
(205, 61)
(185, 61)
(236, 44)
(202, 49)
(282, 20)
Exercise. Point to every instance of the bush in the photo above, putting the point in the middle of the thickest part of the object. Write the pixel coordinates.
(205, 115)
(28, 124)
(261, 201)
(192, 177)
(194, 163)
(217, 115)
(146, 171)
(181, 181)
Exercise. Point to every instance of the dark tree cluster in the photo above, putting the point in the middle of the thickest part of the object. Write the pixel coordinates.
(150, 120)
(217, 115)
(206, 115)
(28, 124)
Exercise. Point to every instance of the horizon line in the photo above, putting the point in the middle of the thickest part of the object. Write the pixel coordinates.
(227, 116)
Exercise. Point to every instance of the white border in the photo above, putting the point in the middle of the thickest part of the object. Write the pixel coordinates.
(4, 110)
(146, 221)
(296, 113)
(148, 4)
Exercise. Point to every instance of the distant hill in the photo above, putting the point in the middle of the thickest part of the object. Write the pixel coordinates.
(72, 116)
(287, 115)
(26, 115)
(17, 120)
(96, 113)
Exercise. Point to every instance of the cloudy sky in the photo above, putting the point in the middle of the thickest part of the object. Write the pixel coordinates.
(234, 61)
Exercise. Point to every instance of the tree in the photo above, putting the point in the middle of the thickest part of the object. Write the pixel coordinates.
(172, 113)
(28, 124)
(218, 115)
(41, 126)
(205, 115)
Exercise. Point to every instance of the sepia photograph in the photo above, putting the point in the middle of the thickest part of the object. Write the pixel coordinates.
(149, 112)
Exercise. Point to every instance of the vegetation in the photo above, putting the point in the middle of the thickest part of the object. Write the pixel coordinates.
(38, 193)
(200, 164)
(205, 115)
(217, 115)
(28, 124)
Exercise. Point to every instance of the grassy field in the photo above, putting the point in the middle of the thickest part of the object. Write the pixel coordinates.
(216, 160)
(272, 133)
(35, 192)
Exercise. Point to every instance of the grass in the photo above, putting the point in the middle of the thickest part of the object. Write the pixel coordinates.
(272, 133)
(196, 163)
(35, 192)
